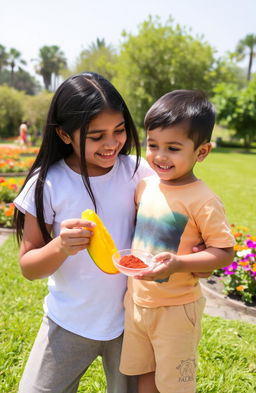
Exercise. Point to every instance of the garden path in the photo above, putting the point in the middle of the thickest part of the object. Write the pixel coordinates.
(214, 304)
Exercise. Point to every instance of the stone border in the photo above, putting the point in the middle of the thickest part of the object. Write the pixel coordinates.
(227, 301)
(6, 231)
(13, 174)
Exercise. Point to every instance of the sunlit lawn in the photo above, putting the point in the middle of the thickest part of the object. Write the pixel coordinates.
(232, 176)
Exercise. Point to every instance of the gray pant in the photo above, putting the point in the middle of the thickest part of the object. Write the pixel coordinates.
(59, 359)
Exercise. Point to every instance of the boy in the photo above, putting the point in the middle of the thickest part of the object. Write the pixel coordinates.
(175, 211)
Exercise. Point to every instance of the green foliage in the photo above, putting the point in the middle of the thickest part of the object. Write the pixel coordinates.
(10, 111)
(21, 80)
(226, 352)
(3, 57)
(164, 57)
(35, 109)
(236, 109)
(99, 57)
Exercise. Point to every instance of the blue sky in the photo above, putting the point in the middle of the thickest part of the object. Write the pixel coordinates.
(27, 25)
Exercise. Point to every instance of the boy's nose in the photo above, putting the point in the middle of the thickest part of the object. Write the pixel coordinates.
(163, 155)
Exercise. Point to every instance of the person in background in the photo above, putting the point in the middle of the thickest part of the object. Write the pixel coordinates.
(23, 133)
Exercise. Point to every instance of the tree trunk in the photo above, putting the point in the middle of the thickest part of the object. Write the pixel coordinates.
(250, 65)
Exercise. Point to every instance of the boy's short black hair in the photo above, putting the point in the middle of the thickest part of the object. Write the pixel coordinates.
(190, 106)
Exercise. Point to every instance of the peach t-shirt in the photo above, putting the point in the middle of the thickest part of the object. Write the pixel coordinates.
(176, 218)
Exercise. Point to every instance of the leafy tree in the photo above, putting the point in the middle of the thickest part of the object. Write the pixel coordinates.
(11, 112)
(15, 60)
(245, 47)
(99, 57)
(22, 80)
(51, 61)
(35, 110)
(236, 109)
(160, 58)
(3, 57)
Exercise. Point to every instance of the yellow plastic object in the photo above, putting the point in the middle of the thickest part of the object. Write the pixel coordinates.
(102, 246)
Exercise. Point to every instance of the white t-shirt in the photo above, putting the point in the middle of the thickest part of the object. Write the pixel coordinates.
(83, 299)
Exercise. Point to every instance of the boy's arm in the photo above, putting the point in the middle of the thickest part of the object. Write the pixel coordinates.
(204, 261)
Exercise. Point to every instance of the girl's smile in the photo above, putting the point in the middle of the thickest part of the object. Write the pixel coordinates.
(105, 139)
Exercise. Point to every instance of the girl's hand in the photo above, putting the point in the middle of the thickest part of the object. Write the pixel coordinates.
(75, 235)
(166, 264)
(202, 274)
(195, 249)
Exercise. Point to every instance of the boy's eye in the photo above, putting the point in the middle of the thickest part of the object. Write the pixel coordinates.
(173, 148)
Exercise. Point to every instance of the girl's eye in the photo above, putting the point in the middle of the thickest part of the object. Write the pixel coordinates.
(152, 146)
(98, 138)
(120, 131)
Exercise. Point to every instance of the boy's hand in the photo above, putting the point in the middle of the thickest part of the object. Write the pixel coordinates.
(75, 235)
(195, 249)
(165, 264)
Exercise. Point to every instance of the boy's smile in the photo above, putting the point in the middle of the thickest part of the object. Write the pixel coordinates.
(172, 154)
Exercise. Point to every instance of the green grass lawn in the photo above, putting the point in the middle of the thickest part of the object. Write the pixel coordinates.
(227, 362)
(231, 175)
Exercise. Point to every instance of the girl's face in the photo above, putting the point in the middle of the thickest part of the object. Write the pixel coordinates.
(105, 139)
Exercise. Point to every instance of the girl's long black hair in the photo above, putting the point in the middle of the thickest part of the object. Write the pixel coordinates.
(75, 103)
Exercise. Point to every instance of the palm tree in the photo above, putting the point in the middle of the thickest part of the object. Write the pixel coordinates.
(51, 61)
(99, 43)
(3, 57)
(247, 43)
(14, 59)
(99, 57)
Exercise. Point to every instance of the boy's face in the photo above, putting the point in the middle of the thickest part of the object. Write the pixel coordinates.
(172, 154)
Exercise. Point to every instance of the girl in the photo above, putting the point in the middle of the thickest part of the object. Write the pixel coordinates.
(83, 163)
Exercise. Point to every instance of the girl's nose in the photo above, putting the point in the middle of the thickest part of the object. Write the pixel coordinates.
(110, 142)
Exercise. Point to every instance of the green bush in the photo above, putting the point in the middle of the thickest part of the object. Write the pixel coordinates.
(11, 112)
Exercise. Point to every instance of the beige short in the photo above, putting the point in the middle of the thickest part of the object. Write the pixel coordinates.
(164, 340)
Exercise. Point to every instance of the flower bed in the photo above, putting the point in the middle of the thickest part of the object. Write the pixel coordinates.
(239, 278)
(8, 191)
(15, 160)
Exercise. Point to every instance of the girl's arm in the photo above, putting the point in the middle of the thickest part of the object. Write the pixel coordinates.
(38, 259)
(204, 261)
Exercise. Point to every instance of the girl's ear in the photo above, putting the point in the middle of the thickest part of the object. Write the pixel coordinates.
(63, 136)
(203, 151)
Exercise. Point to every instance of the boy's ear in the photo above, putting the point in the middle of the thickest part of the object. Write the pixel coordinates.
(203, 151)
(63, 136)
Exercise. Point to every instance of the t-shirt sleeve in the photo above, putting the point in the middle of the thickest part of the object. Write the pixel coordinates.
(213, 225)
(144, 169)
(25, 201)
